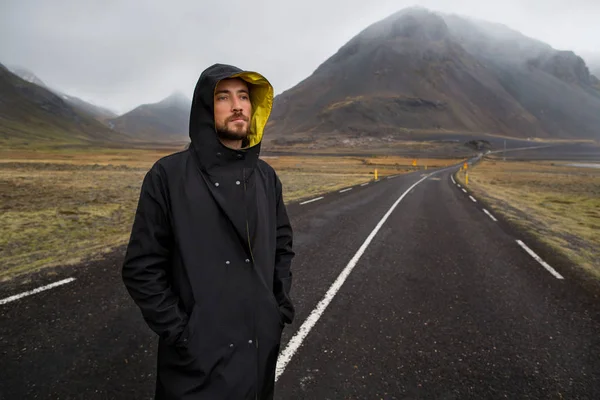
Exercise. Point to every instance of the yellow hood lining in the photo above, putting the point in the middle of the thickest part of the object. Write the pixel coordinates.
(261, 98)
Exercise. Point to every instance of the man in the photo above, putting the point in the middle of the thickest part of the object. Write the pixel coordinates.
(208, 261)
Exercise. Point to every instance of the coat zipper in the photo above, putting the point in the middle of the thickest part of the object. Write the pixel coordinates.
(252, 258)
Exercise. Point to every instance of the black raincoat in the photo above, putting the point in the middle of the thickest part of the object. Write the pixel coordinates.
(208, 261)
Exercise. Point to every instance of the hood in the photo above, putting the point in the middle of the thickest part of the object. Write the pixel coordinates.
(204, 140)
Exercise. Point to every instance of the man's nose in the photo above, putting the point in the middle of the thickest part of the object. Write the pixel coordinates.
(236, 105)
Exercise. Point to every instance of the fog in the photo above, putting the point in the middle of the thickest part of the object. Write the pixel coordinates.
(119, 54)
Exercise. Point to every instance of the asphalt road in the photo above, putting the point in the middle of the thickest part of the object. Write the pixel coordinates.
(439, 302)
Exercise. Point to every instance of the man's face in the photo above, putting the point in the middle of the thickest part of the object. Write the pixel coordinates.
(232, 109)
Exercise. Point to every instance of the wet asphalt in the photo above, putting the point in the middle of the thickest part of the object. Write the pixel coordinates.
(442, 304)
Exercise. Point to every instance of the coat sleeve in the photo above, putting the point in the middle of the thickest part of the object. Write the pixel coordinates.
(146, 264)
(283, 258)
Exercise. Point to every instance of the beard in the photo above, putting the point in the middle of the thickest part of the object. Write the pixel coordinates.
(237, 132)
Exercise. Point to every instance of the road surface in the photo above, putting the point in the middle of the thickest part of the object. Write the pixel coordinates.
(405, 289)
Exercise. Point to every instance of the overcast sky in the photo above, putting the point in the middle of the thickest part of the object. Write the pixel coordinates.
(122, 53)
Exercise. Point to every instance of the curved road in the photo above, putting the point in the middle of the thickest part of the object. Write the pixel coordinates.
(405, 289)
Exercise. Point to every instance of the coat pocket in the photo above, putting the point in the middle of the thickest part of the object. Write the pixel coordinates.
(276, 307)
(188, 332)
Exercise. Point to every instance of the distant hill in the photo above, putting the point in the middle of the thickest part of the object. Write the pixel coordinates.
(593, 62)
(166, 120)
(97, 112)
(422, 71)
(32, 114)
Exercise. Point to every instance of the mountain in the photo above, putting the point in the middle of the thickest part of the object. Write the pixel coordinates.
(555, 87)
(97, 112)
(423, 71)
(27, 75)
(167, 120)
(593, 62)
(32, 114)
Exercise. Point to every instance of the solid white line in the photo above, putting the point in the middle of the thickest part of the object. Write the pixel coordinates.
(472, 198)
(453, 181)
(345, 190)
(310, 201)
(490, 215)
(365, 184)
(296, 341)
(464, 190)
(538, 259)
(34, 291)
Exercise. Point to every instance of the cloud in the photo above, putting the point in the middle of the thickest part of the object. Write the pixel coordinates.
(122, 53)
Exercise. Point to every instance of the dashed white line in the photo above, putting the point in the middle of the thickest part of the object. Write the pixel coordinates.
(296, 341)
(458, 185)
(310, 201)
(453, 181)
(345, 190)
(490, 215)
(464, 190)
(34, 291)
(472, 198)
(538, 259)
(365, 184)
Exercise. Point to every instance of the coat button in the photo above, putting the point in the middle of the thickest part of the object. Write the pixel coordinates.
(247, 261)
(230, 344)
(227, 262)
(250, 341)
(216, 183)
(239, 156)
(237, 182)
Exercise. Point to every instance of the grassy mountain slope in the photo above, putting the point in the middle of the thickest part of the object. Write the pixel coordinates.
(32, 114)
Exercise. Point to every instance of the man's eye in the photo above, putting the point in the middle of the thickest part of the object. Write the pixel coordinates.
(222, 98)
(245, 97)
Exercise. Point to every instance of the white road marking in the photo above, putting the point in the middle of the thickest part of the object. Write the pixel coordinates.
(458, 185)
(472, 198)
(490, 215)
(296, 341)
(453, 181)
(34, 291)
(538, 259)
(310, 201)
(365, 184)
(464, 190)
(345, 190)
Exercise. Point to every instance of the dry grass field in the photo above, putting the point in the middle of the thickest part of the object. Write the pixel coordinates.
(558, 203)
(63, 207)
